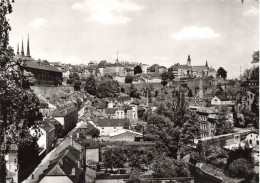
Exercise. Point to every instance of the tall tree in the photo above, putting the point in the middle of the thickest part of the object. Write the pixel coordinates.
(19, 107)
(108, 88)
(90, 85)
(137, 70)
(222, 73)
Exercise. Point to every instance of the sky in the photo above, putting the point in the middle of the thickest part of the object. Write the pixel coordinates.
(223, 32)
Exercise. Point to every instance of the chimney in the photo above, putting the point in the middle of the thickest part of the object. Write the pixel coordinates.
(71, 142)
(73, 171)
(77, 135)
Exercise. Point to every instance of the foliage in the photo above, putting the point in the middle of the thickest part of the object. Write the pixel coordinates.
(166, 77)
(134, 176)
(241, 168)
(223, 126)
(90, 85)
(221, 72)
(137, 70)
(19, 107)
(129, 79)
(108, 88)
(134, 93)
(114, 158)
(77, 85)
(255, 57)
(166, 167)
(73, 77)
(190, 93)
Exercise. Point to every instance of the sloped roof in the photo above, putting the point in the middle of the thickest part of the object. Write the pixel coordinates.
(63, 112)
(200, 68)
(124, 131)
(40, 66)
(113, 122)
(110, 110)
(47, 126)
(222, 97)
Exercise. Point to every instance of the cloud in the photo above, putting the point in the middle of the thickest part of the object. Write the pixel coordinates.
(107, 11)
(252, 11)
(37, 23)
(194, 32)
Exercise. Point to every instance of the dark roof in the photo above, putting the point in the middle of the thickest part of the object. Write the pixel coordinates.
(200, 67)
(110, 110)
(113, 122)
(102, 105)
(53, 121)
(47, 126)
(64, 112)
(223, 98)
(40, 66)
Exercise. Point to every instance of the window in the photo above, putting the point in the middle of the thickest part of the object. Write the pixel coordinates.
(257, 142)
(114, 127)
(250, 141)
(102, 128)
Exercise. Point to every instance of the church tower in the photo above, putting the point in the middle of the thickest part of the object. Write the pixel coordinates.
(17, 49)
(28, 48)
(22, 52)
(189, 61)
(207, 63)
(117, 57)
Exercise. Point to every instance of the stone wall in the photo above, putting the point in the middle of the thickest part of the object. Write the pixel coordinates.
(48, 91)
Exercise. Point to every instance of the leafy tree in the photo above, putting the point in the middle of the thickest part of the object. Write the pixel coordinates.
(190, 93)
(134, 93)
(114, 158)
(73, 77)
(241, 168)
(19, 107)
(77, 85)
(137, 70)
(129, 79)
(165, 167)
(90, 85)
(223, 126)
(135, 176)
(108, 88)
(221, 72)
(255, 57)
(166, 77)
(190, 130)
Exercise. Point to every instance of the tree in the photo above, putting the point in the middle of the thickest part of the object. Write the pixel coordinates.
(19, 107)
(222, 73)
(73, 77)
(108, 88)
(137, 70)
(77, 85)
(129, 79)
(134, 92)
(114, 158)
(166, 77)
(135, 176)
(255, 57)
(190, 93)
(165, 167)
(241, 168)
(90, 85)
(223, 125)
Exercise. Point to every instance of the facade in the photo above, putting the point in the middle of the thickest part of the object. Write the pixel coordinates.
(144, 68)
(221, 100)
(67, 116)
(125, 135)
(108, 126)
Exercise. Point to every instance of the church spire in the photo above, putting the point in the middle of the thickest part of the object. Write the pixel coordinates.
(117, 57)
(22, 52)
(206, 63)
(28, 48)
(17, 49)
(189, 61)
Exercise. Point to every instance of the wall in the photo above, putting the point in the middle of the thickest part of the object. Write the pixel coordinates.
(92, 154)
(127, 136)
(48, 91)
(107, 130)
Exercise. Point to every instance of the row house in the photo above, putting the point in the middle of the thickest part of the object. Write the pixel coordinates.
(67, 116)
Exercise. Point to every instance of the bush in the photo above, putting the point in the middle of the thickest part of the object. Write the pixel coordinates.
(241, 168)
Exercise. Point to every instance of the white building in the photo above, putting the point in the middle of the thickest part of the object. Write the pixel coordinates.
(221, 100)
(108, 126)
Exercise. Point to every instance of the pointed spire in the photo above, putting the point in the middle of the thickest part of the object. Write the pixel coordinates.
(28, 48)
(188, 61)
(117, 57)
(22, 52)
(206, 63)
(17, 49)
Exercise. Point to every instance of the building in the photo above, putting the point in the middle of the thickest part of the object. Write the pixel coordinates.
(12, 167)
(144, 68)
(68, 167)
(44, 74)
(108, 126)
(221, 100)
(67, 116)
(125, 135)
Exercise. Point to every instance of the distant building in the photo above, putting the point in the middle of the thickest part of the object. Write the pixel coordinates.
(221, 100)
(125, 135)
(43, 73)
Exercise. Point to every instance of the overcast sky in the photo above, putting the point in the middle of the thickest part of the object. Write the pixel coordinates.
(225, 33)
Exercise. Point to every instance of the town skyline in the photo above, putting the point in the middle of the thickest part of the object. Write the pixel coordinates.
(141, 31)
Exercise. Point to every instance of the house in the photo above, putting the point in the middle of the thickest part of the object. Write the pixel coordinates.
(47, 139)
(251, 95)
(67, 116)
(144, 68)
(108, 126)
(221, 100)
(125, 135)
(68, 167)
(252, 139)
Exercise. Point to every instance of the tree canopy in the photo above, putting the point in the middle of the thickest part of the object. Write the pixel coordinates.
(221, 72)
(90, 85)
(108, 88)
(137, 70)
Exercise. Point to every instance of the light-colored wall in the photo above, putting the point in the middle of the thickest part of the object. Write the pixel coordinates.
(253, 137)
(92, 155)
(56, 179)
(108, 130)
(109, 181)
